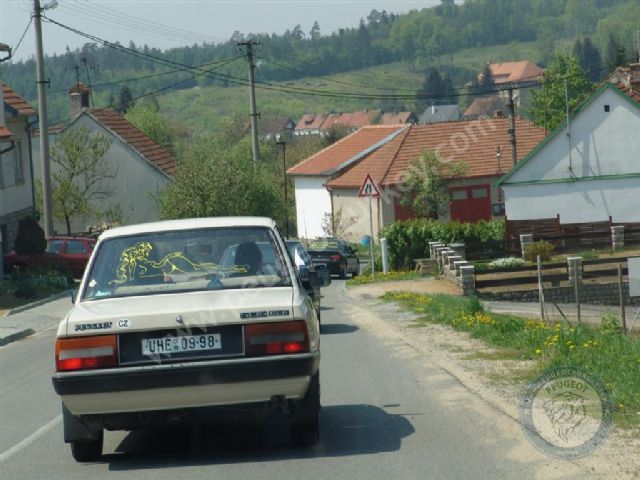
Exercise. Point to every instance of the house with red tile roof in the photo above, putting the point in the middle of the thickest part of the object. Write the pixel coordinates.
(16, 186)
(312, 124)
(517, 74)
(513, 72)
(588, 171)
(140, 165)
(313, 200)
(387, 154)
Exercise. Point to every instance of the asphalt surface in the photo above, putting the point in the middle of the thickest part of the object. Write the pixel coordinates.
(386, 414)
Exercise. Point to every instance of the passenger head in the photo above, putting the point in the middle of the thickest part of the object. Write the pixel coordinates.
(249, 254)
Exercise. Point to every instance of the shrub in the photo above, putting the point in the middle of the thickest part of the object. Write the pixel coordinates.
(542, 248)
(408, 240)
(509, 263)
(30, 238)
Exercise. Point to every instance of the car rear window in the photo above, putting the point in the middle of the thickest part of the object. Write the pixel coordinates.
(186, 260)
(319, 245)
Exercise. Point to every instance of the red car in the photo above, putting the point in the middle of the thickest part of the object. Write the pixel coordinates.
(70, 252)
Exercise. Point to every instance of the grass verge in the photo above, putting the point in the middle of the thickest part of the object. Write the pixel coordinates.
(603, 351)
(21, 289)
(381, 277)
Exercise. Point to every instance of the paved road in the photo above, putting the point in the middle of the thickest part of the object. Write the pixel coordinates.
(386, 414)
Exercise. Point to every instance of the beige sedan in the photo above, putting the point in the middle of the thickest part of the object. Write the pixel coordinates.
(162, 328)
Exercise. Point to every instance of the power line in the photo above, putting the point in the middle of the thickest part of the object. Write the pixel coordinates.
(217, 63)
(15, 49)
(168, 87)
(339, 82)
(104, 15)
(294, 90)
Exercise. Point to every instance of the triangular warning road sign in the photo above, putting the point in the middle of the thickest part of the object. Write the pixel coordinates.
(369, 188)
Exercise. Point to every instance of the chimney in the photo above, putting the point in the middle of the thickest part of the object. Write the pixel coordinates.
(634, 78)
(78, 99)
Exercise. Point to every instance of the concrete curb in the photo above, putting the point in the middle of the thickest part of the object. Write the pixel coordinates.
(37, 303)
(14, 337)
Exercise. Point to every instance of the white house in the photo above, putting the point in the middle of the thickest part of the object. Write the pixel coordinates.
(141, 166)
(16, 194)
(313, 200)
(588, 171)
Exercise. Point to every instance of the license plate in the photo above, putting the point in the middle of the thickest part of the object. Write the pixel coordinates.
(181, 344)
(319, 264)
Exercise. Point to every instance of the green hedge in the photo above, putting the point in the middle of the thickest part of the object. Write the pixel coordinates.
(410, 239)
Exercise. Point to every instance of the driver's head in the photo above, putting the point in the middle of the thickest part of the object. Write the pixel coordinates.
(249, 254)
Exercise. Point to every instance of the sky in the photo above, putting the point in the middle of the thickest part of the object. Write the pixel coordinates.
(170, 23)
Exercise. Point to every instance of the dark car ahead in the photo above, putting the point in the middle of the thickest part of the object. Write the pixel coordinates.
(71, 253)
(304, 264)
(337, 255)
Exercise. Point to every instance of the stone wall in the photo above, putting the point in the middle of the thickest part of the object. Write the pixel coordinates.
(594, 294)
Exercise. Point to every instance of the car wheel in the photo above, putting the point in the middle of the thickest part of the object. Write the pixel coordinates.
(305, 424)
(343, 271)
(87, 450)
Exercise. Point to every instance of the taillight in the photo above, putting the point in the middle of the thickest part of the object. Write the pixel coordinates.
(86, 352)
(337, 258)
(276, 338)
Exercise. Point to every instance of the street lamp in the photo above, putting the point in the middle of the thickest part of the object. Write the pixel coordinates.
(283, 144)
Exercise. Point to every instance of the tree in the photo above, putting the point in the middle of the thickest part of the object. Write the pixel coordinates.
(425, 186)
(589, 58)
(616, 54)
(125, 99)
(314, 34)
(146, 117)
(216, 179)
(81, 176)
(335, 132)
(548, 104)
(435, 89)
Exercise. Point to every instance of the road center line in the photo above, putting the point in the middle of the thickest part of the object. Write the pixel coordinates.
(4, 456)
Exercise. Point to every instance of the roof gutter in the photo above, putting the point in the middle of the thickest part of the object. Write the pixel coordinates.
(364, 153)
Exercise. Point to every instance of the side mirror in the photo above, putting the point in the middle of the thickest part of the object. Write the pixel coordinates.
(74, 294)
(322, 274)
(303, 273)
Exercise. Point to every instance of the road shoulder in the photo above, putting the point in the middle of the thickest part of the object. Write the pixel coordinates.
(487, 372)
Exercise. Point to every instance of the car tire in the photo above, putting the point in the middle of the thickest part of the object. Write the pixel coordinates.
(343, 271)
(87, 450)
(305, 424)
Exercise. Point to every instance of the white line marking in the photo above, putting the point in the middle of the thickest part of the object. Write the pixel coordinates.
(4, 456)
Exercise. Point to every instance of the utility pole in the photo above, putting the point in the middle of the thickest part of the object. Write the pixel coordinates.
(43, 124)
(283, 144)
(252, 102)
(512, 128)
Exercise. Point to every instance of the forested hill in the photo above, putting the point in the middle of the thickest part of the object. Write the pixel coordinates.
(418, 39)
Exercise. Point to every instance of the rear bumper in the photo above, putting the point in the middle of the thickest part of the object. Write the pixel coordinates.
(186, 385)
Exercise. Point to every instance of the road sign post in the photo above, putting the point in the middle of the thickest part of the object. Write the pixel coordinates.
(371, 190)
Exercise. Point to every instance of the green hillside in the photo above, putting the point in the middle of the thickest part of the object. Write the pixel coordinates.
(202, 108)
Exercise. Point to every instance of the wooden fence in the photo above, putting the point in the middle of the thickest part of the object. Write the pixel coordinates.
(568, 237)
(527, 274)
